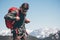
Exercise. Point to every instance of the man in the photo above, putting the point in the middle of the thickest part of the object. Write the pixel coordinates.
(19, 20)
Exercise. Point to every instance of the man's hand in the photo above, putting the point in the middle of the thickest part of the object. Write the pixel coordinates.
(17, 18)
(27, 21)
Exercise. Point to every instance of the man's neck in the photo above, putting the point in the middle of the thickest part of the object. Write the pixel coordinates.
(22, 11)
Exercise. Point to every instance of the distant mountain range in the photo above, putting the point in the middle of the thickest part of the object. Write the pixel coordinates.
(42, 33)
(39, 34)
(46, 34)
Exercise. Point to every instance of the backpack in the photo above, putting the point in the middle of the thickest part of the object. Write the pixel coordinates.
(10, 23)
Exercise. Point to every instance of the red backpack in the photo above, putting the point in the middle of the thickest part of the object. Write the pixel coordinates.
(10, 23)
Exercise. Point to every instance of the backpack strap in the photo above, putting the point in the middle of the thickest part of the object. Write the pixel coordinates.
(17, 13)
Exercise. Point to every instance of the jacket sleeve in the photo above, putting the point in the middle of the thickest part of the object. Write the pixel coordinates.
(10, 16)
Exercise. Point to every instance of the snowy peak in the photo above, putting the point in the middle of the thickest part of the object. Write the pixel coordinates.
(5, 32)
(44, 32)
(8, 32)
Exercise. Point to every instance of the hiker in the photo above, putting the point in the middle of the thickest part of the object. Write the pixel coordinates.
(17, 19)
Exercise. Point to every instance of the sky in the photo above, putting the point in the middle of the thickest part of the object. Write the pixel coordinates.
(42, 13)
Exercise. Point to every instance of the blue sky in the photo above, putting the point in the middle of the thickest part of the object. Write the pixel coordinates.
(42, 13)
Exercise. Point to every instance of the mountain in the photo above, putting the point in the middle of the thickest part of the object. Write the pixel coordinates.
(45, 32)
(5, 32)
(6, 35)
(8, 32)
(39, 34)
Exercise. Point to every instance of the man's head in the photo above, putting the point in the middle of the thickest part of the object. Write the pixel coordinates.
(25, 7)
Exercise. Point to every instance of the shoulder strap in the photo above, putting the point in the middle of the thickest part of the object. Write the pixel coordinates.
(18, 13)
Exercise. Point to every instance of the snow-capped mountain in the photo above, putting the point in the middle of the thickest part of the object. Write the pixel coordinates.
(29, 31)
(39, 33)
(44, 32)
(8, 32)
(5, 32)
